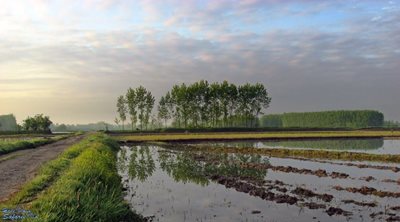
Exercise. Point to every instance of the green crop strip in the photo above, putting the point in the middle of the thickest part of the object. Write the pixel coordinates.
(81, 185)
(15, 144)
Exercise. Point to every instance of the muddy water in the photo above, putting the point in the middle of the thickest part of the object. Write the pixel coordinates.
(170, 185)
(377, 146)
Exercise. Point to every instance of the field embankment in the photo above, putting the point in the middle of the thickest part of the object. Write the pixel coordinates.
(188, 137)
(20, 166)
(82, 184)
(15, 143)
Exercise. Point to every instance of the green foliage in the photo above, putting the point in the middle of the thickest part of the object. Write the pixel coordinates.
(326, 119)
(214, 105)
(21, 144)
(82, 185)
(122, 109)
(140, 103)
(37, 123)
(272, 120)
(8, 123)
(48, 174)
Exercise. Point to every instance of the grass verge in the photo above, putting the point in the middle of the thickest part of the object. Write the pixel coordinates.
(184, 137)
(11, 146)
(82, 185)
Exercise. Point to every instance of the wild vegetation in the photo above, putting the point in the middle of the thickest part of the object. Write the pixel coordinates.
(81, 185)
(326, 119)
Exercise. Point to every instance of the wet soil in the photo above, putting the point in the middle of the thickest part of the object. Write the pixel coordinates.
(364, 190)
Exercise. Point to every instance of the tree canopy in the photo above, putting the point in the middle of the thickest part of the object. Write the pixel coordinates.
(200, 104)
(37, 123)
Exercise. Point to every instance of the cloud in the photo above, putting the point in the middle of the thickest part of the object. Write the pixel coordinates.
(86, 55)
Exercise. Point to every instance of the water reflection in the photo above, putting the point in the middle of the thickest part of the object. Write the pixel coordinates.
(188, 166)
(198, 167)
(141, 163)
(336, 144)
(182, 168)
(377, 145)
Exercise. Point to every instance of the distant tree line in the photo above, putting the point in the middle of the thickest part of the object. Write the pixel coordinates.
(38, 123)
(197, 105)
(326, 119)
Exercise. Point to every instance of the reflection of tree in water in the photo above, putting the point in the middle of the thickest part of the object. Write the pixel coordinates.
(182, 168)
(141, 164)
(198, 167)
(337, 144)
(232, 165)
(122, 159)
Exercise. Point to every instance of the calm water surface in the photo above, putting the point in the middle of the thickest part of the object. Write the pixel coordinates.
(377, 146)
(173, 186)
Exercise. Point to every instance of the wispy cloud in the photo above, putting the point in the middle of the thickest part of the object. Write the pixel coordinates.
(311, 54)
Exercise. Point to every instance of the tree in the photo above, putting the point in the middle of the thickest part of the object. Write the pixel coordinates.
(121, 109)
(116, 121)
(149, 104)
(132, 105)
(37, 123)
(140, 103)
(163, 112)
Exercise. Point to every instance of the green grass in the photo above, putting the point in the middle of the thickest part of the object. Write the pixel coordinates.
(256, 135)
(9, 145)
(81, 185)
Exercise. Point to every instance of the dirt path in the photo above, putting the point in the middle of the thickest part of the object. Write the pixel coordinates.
(19, 167)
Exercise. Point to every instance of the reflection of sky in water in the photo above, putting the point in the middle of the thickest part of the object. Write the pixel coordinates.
(377, 146)
(175, 188)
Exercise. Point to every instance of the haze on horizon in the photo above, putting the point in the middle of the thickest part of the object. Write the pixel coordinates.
(71, 59)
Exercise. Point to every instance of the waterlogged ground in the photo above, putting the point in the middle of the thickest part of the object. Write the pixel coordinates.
(376, 146)
(170, 184)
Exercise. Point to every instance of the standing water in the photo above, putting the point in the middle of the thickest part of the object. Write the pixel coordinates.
(171, 185)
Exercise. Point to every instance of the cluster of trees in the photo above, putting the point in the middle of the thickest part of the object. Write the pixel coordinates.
(8, 123)
(213, 105)
(200, 104)
(138, 104)
(37, 123)
(326, 119)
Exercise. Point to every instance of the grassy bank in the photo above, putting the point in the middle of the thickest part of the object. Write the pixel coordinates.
(184, 137)
(15, 144)
(81, 185)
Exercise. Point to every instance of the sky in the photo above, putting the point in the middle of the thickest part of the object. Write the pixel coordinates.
(72, 59)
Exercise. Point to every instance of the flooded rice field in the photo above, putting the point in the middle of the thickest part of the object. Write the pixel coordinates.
(173, 184)
(375, 146)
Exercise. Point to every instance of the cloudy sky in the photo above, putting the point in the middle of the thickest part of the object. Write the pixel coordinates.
(71, 59)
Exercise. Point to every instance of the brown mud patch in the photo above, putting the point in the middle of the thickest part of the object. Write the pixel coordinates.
(364, 190)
